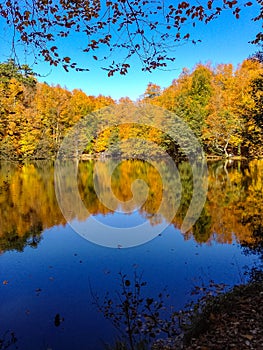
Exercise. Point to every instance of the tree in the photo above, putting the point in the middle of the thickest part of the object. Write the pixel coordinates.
(230, 108)
(145, 29)
(222, 123)
(23, 74)
(34, 117)
(254, 125)
(194, 101)
(152, 91)
(17, 87)
(188, 97)
(257, 95)
(53, 113)
(222, 127)
(222, 105)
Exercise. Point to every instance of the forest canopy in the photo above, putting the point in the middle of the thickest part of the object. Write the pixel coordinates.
(222, 105)
(146, 29)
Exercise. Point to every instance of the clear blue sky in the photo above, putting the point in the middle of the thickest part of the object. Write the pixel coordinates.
(224, 40)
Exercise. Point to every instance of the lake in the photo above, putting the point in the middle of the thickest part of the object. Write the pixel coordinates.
(59, 249)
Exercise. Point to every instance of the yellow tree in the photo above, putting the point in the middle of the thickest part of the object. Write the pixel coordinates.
(228, 107)
(221, 123)
(52, 107)
(103, 101)
(12, 111)
(152, 91)
(249, 94)
(80, 105)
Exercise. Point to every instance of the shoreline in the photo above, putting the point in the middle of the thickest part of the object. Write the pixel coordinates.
(86, 157)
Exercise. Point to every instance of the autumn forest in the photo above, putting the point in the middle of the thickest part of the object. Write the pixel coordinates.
(221, 104)
(131, 174)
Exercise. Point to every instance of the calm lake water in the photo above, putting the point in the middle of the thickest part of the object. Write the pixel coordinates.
(49, 273)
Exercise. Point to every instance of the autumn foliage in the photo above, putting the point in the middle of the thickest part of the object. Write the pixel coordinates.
(222, 105)
(35, 116)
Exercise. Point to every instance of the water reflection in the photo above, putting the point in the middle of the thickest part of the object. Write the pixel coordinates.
(233, 209)
(45, 292)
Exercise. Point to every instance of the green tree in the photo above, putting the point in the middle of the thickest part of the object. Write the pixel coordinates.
(23, 74)
(188, 97)
(17, 86)
(193, 108)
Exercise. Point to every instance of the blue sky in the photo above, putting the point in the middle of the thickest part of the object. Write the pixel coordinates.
(224, 40)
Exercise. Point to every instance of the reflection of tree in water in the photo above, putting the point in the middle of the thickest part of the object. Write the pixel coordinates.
(235, 200)
(138, 318)
(27, 203)
(7, 339)
(251, 213)
(13, 241)
(202, 227)
(255, 246)
(233, 209)
(144, 321)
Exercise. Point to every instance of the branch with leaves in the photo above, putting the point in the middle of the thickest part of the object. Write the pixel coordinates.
(137, 318)
(123, 29)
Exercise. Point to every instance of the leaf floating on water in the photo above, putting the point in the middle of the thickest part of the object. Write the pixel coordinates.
(58, 320)
(127, 283)
(38, 290)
